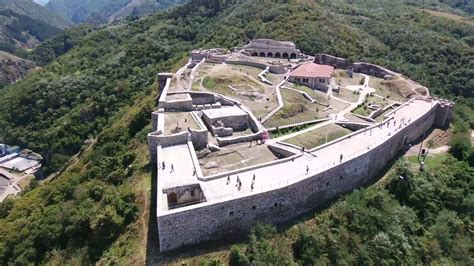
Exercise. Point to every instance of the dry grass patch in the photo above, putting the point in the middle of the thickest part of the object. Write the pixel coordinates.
(346, 95)
(296, 109)
(342, 78)
(176, 122)
(234, 157)
(319, 136)
(236, 83)
(395, 89)
(451, 16)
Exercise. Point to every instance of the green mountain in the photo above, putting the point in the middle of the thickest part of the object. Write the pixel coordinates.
(88, 112)
(464, 5)
(25, 24)
(30, 9)
(107, 10)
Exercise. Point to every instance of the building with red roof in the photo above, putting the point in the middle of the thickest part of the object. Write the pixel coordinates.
(313, 75)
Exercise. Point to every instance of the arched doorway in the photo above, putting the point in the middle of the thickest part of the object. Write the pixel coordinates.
(270, 54)
(285, 55)
(254, 54)
(293, 56)
(277, 55)
(172, 199)
(262, 54)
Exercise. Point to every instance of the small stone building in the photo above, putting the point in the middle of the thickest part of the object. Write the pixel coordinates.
(272, 48)
(315, 76)
(224, 121)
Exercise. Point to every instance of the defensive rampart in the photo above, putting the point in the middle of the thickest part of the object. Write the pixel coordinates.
(361, 67)
(218, 219)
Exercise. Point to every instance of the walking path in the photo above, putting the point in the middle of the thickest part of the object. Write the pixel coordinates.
(364, 90)
(280, 102)
(288, 172)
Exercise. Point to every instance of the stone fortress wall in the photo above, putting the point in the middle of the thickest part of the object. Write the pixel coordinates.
(271, 48)
(221, 218)
(361, 67)
(210, 221)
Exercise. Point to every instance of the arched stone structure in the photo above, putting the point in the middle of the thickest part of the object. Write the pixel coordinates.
(172, 198)
(272, 48)
(254, 54)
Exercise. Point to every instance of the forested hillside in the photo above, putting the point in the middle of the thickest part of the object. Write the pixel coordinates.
(465, 5)
(24, 24)
(89, 108)
(107, 10)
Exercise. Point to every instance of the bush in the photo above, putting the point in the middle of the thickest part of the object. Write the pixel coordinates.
(460, 146)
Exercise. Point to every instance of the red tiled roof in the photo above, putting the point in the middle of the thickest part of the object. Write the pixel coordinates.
(312, 70)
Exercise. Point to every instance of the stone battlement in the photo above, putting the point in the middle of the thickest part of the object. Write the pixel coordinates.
(193, 207)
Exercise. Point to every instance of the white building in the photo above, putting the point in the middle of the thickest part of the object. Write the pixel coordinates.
(313, 75)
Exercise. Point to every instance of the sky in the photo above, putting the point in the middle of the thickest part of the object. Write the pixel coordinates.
(41, 2)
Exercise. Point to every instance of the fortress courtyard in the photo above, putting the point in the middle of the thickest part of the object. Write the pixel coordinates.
(234, 142)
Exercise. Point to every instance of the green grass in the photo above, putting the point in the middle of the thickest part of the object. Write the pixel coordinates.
(365, 110)
(286, 131)
(432, 162)
(317, 137)
(361, 111)
(209, 83)
(317, 95)
(296, 109)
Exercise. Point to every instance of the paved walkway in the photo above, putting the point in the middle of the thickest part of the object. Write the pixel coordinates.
(283, 174)
(280, 102)
(364, 90)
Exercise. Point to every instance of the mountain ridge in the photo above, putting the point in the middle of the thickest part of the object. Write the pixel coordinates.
(108, 10)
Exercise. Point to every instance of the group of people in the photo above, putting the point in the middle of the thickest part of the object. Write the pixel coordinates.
(163, 167)
(239, 182)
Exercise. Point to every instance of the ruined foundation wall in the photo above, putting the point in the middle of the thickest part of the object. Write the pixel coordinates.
(237, 216)
(361, 67)
(272, 69)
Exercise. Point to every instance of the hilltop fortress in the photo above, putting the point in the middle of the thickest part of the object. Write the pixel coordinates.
(236, 141)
